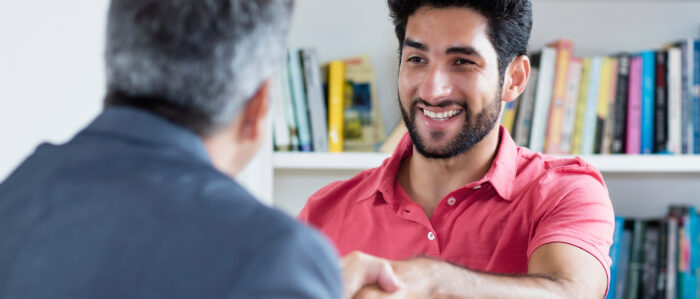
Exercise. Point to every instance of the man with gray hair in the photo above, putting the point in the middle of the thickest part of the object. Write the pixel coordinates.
(141, 203)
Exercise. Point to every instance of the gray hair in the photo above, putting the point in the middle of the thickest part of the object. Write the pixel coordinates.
(200, 57)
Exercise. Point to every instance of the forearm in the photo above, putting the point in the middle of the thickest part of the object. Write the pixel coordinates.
(451, 281)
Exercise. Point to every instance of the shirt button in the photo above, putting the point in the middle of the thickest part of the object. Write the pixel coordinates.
(451, 201)
(477, 187)
(431, 236)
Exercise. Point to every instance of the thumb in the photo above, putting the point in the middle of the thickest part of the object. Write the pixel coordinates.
(387, 279)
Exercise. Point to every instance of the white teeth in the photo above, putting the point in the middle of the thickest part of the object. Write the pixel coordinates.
(440, 115)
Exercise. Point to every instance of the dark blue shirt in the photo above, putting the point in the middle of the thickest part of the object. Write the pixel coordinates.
(132, 207)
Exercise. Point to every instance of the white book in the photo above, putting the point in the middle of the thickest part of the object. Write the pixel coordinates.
(543, 97)
(570, 98)
(674, 100)
(280, 129)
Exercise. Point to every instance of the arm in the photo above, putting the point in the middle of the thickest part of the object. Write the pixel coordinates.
(556, 270)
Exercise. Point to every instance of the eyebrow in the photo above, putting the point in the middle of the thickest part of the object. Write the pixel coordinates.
(465, 50)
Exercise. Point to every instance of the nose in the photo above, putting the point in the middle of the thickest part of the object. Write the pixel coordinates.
(436, 85)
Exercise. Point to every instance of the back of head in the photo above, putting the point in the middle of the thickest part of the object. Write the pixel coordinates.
(510, 22)
(194, 62)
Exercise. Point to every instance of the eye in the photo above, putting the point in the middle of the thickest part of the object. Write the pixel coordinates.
(415, 59)
(460, 61)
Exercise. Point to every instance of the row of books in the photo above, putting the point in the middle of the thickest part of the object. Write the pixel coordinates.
(656, 258)
(630, 103)
(325, 108)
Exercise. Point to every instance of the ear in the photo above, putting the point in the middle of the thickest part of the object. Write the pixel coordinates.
(254, 111)
(516, 77)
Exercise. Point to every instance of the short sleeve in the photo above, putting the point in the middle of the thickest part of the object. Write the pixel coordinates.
(575, 210)
(294, 264)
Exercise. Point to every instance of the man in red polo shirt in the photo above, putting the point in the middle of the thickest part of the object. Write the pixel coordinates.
(459, 209)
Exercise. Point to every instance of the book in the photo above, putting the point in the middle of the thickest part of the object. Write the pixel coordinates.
(662, 278)
(650, 268)
(620, 124)
(603, 103)
(289, 113)
(301, 112)
(577, 136)
(636, 266)
(660, 103)
(281, 135)
(573, 79)
(687, 66)
(696, 97)
(313, 87)
(647, 112)
(634, 107)
(672, 258)
(543, 97)
(523, 118)
(609, 123)
(673, 72)
(363, 129)
(615, 255)
(624, 261)
(590, 118)
(556, 107)
(336, 94)
(509, 112)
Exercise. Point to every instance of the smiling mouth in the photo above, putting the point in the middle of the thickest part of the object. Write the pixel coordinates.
(441, 116)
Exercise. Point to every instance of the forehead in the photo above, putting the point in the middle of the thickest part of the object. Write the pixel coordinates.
(446, 27)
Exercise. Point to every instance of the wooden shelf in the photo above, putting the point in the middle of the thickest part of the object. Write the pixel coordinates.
(604, 163)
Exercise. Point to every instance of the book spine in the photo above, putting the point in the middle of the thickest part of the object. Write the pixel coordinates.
(577, 137)
(634, 107)
(509, 115)
(672, 258)
(696, 97)
(619, 128)
(590, 119)
(296, 82)
(647, 115)
(608, 131)
(282, 140)
(336, 85)
(623, 266)
(603, 102)
(686, 96)
(636, 260)
(660, 104)
(674, 100)
(523, 122)
(650, 260)
(289, 110)
(556, 107)
(543, 97)
(662, 258)
(314, 93)
(573, 79)
(615, 255)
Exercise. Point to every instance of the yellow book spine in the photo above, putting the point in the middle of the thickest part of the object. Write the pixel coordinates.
(336, 85)
(577, 137)
(604, 91)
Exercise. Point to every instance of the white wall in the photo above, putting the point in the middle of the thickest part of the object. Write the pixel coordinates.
(51, 73)
(52, 79)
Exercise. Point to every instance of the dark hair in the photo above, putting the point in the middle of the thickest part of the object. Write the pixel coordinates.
(194, 63)
(509, 23)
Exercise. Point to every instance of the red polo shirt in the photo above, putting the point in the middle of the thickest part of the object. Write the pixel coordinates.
(524, 201)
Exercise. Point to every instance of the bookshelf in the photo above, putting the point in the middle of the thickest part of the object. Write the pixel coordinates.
(640, 186)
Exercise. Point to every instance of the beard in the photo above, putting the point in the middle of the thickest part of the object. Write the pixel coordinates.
(475, 128)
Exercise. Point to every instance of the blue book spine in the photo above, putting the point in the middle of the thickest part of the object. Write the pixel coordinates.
(648, 87)
(591, 117)
(623, 264)
(296, 82)
(696, 98)
(615, 255)
(693, 230)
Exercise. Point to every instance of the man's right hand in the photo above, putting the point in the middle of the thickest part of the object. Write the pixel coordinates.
(360, 270)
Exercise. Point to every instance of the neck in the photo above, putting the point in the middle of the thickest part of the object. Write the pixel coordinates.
(427, 181)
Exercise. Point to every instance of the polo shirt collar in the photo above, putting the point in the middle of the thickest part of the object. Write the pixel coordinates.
(501, 174)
